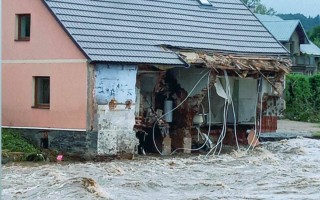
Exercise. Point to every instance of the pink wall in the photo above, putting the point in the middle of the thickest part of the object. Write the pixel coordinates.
(67, 96)
(68, 75)
(47, 40)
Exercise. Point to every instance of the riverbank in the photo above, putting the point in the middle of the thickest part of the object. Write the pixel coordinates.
(288, 129)
(18, 149)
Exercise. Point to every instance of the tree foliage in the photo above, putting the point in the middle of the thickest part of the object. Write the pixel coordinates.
(259, 7)
(308, 22)
(314, 35)
(315, 92)
(303, 97)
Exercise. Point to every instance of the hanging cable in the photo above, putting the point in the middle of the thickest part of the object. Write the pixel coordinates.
(224, 125)
(235, 126)
(225, 128)
(228, 102)
(222, 134)
(189, 94)
(260, 117)
(255, 118)
(228, 88)
(198, 129)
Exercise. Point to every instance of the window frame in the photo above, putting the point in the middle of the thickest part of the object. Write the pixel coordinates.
(36, 104)
(18, 33)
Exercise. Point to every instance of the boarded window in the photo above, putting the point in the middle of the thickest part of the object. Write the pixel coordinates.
(42, 92)
(23, 27)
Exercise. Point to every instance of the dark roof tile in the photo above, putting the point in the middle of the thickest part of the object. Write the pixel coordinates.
(135, 30)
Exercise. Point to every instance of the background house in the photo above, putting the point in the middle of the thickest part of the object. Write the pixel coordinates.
(310, 56)
(304, 54)
(92, 74)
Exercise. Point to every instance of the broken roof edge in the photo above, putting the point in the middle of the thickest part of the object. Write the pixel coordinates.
(238, 63)
(178, 49)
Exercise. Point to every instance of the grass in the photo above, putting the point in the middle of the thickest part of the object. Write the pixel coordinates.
(316, 134)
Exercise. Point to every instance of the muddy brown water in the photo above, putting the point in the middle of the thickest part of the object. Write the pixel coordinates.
(288, 169)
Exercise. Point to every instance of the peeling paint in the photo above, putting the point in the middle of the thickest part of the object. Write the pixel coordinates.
(115, 90)
(115, 130)
(115, 81)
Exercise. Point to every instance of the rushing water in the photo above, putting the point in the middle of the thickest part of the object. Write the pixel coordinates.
(287, 169)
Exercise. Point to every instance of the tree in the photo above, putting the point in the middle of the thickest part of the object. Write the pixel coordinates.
(308, 22)
(314, 35)
(259, 7)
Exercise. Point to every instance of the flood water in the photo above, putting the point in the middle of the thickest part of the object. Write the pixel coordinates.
(287, 169)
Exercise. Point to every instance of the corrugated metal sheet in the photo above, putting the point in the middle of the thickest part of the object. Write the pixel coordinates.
(268, 18)
(135, 30)
(281, 29)
(310, 49)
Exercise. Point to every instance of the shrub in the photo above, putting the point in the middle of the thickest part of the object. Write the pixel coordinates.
(13, 141)
(303, 97)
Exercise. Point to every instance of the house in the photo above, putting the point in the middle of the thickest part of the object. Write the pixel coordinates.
(310, 56)
(88, 76)
(304, 54)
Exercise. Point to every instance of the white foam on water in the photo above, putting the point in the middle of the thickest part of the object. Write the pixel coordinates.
(287, 169)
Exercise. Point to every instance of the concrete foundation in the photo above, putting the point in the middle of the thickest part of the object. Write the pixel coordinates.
(187, 142)
(166, 146)
(79, 143)
(115, 130)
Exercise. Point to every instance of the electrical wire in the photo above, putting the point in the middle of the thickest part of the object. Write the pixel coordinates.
(224, 126)
(235, 126)
(189, 94)
(223, 135)
(199, 132)
(255, 116)
(228, 102)
(228, 88)
(260, 118)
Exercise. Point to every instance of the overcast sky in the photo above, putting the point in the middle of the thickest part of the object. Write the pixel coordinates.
(306, 7)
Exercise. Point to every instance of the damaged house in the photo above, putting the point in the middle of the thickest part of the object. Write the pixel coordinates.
(104, 76)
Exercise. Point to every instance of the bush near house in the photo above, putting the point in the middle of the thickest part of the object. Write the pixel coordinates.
(16, 148)
(12, 141)
(303, 97)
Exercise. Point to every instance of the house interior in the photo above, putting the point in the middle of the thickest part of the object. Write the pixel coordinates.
(216, 101)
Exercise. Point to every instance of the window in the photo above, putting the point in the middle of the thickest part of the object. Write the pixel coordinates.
(205, 2)
(23, 27)
(41, 92)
